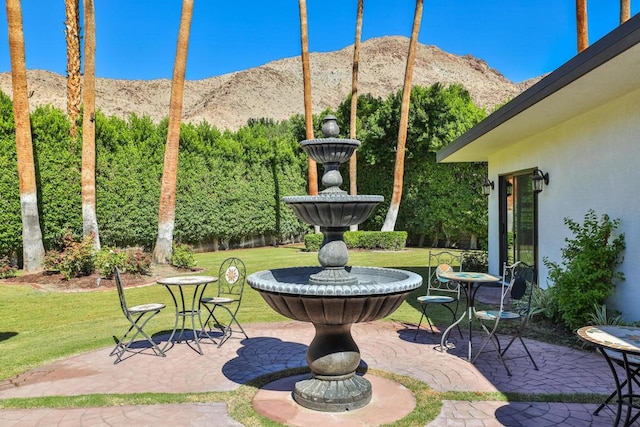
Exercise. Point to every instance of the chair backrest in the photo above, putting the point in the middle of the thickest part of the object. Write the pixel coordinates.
(231, 278)
(123, 301)
(520, 280)
(440, 262)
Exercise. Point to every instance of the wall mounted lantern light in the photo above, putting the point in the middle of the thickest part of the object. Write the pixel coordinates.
(509, 188)
(538, 179)
(487, 186)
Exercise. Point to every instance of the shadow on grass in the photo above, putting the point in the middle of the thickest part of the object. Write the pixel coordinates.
(7, 335)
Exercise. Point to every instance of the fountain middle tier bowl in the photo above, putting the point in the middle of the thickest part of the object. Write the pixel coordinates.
(378, 293)
(330, 150)
(333, 209)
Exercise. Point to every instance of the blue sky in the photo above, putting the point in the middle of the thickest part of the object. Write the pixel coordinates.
(136, 38)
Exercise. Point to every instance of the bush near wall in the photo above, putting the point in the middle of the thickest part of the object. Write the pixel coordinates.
(383, 240)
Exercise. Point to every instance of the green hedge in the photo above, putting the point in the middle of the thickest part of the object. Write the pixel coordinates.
(229, 188)
(384, 240)
(230, 184)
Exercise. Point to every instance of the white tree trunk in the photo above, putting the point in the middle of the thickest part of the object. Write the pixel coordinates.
(390, 219)
(33, 249)
(164, 243)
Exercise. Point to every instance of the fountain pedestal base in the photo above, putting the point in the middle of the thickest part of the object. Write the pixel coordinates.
(333, 395)
(333, 357)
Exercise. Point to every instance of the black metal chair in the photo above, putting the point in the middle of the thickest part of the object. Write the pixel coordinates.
(138, 316)
(231, 281)
(515, 305)
(441, 291)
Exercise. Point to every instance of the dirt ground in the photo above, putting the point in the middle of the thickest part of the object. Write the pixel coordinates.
(52, 281)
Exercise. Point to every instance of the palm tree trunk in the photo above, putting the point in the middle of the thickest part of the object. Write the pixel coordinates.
(625, 11)
(306, 79)
(89, 218)
(32, 246)
(166, 214)
(398, 174)
(353, 119)
(581, 21)
(72, 35)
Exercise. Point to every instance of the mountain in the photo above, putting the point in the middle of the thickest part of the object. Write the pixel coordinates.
(275, 90)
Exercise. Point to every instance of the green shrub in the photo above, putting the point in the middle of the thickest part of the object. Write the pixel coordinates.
(110, 258)
(313, 242)
(599, 316)
(138, 261)
(475, 261)
(52, 260)
(129, 260)
(183, 256)
(383, 240)
(543, 304)
(588, 273)
(7, 268)
(76, 259)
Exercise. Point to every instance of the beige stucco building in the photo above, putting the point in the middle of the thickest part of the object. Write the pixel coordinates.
(581, 126)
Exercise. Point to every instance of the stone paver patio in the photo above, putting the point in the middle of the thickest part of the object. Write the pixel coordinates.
(384, 345)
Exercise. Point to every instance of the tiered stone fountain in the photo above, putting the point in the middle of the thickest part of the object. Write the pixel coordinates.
(333, 296)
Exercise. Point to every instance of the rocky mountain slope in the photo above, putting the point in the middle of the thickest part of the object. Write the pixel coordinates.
(275, 90)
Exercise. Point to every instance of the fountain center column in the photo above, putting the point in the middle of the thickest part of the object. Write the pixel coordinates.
(333, 256)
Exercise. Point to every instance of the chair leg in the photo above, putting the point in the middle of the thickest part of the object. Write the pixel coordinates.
(493, 338)
(123, 345)
(425, 315)
(227, 330)
(422, 316)
(203, 324)
(526, 349)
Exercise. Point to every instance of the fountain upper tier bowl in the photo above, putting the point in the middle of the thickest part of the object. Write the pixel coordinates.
(330, 150)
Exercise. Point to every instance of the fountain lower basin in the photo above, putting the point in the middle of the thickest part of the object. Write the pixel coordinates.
(333, 356)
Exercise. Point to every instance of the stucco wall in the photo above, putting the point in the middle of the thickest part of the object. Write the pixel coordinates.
(593, 162)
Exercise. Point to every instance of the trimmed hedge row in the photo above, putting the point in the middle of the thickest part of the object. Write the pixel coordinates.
(383, 240)
(230, 185)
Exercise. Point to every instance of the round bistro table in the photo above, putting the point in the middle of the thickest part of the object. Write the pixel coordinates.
(620, 345)
(466, 279)
(182, 309)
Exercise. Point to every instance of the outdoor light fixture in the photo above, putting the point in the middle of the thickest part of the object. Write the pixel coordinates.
(509, 188)
(487, 186)
(538, 178)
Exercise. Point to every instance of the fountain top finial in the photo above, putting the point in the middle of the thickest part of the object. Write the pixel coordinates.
(330, 127)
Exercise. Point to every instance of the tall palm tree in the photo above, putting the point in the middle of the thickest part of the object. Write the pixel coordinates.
(625, 11)
(581, 21)
(72, 34)
(353, 161)
(167, 211)
(89, 218)
(306, 79)
(353, 187)
(32, 246)
(398, 173)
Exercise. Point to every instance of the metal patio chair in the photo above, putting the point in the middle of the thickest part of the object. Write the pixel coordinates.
(231, 281)
(138, 316)
(515, 306)
(441, 291)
